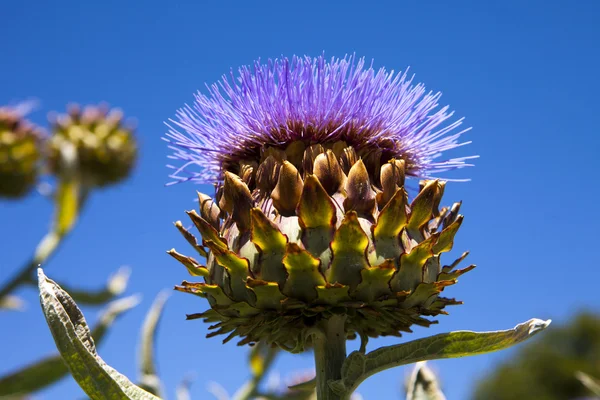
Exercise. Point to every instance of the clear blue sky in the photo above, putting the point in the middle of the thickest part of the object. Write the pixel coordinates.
(524, 74)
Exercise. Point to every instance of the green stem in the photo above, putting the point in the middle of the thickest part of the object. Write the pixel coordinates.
(47, 246)
(330, 353)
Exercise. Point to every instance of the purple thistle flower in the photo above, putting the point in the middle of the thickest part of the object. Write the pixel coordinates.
(311, 215)
(315, 101)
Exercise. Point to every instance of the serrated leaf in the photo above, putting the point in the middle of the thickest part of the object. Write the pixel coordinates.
(149, 379)
(51, 369)
(357, 367)
(76, 345)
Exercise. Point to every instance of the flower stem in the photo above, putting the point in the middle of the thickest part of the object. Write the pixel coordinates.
(53, 238)
(330, 353)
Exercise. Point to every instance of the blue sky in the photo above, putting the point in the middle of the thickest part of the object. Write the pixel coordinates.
(524, 74)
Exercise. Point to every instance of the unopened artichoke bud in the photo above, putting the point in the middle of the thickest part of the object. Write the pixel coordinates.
(106, 147)
(326, 227)
(20, 153)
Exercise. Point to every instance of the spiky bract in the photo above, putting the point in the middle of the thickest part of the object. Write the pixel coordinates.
(306, 232)
(20, 152)
(106, 148)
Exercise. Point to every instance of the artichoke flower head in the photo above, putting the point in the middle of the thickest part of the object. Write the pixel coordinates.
(310, 215)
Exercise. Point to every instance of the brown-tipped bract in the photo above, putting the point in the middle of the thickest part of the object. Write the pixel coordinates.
(323, 229)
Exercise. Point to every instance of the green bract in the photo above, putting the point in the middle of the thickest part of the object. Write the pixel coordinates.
(316, 230)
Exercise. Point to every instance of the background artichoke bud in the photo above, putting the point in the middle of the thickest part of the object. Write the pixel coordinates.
(106, 148)
(336, 233)
(20, 152)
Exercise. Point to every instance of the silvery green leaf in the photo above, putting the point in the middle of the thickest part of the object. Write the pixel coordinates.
(76, 345)
(359, 366)
(50, 369)
(149, 380)
(423, 384)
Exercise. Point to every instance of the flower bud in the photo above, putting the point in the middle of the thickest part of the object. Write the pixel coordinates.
(313, 217)
(105, 147)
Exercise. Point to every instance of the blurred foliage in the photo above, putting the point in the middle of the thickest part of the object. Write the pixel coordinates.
(75, 157)
(548, 368)
(88, 148)
(593, 385)
(423, 384)
(49, 370)
(149, 379)
(74, 341)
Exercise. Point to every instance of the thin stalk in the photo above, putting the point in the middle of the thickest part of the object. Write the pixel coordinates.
(46, 247)
(330, 353)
